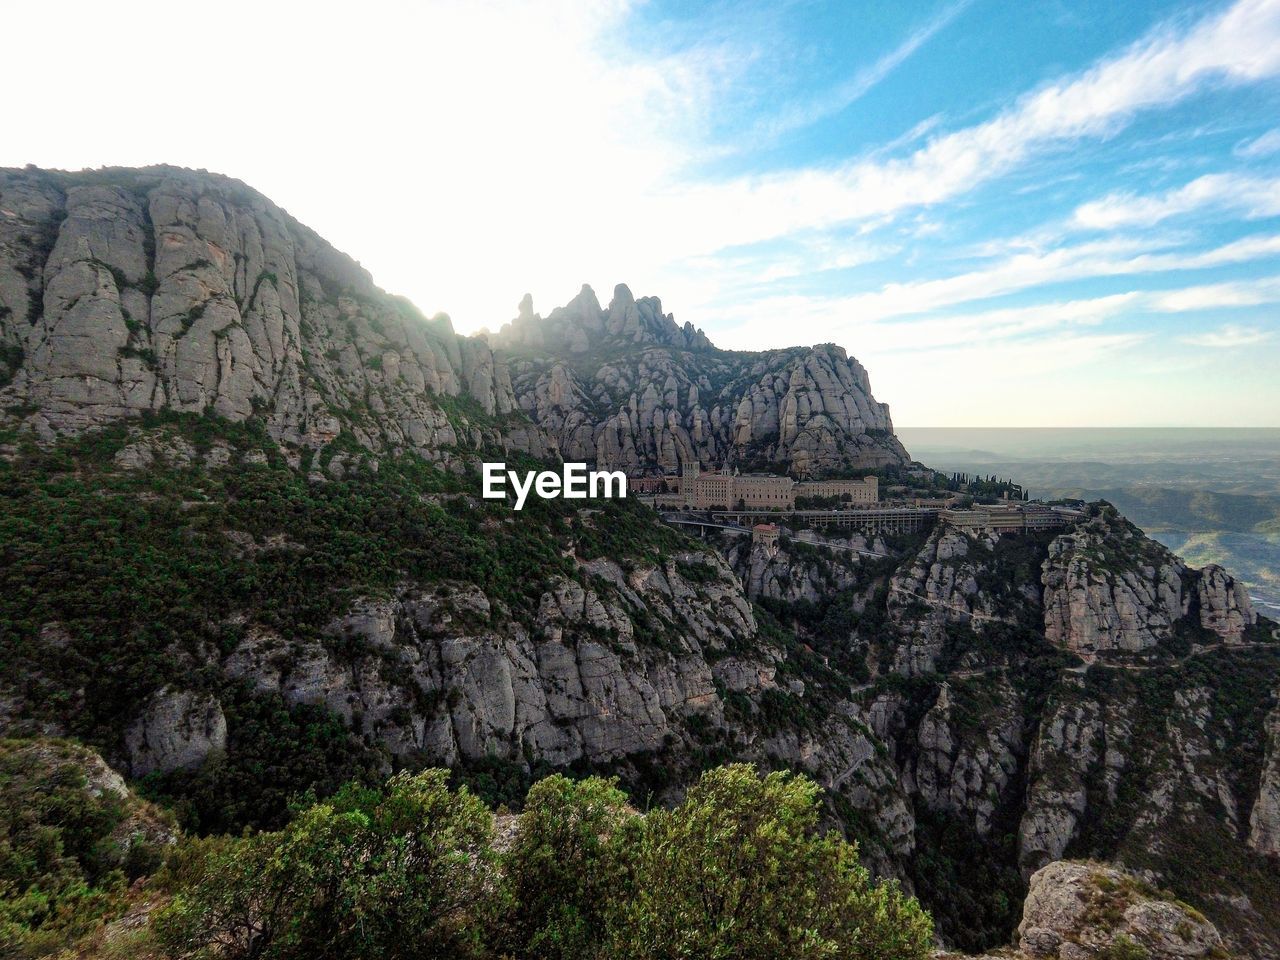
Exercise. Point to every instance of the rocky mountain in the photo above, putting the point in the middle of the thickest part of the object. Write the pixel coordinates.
(243, 554)
(628, 387)
(126, 291)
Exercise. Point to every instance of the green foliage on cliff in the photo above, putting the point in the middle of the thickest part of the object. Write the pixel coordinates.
(739, 869)
(68, 846)
(115, 582)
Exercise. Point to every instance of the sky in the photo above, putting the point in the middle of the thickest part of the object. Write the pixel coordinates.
(1038, 213)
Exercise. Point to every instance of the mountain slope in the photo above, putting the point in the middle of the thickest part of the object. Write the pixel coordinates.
(256, 562)
(123, 291)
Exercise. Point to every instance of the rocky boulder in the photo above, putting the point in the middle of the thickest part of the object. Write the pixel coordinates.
(1075, 911)
(177, 730)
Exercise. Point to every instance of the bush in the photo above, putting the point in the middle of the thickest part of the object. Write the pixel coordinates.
(399, 872)
(60, 861)
(565, 864)
(739, 869)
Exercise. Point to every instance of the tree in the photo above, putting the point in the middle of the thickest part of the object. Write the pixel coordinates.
(399, 872)
(739, 869)
(566, 863)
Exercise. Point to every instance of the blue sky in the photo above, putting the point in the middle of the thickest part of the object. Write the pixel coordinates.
(1042, 213)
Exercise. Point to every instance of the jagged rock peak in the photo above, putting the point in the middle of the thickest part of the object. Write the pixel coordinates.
(582, 325)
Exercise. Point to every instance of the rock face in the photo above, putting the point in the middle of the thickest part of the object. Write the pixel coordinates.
(939, 589)
(968, 773)
(1264, 822)
(178, 730)
(1074, 911)
(581, 325)
(441, 681)
(627, 387)
(125, 291)
(139, 290)
(1108, 588)
(446, 675)
(1071, 743)
(813, 568)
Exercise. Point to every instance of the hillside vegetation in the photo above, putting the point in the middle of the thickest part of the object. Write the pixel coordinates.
(413, 868)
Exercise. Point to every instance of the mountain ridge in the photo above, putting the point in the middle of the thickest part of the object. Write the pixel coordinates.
(124, 290)
(260, 547)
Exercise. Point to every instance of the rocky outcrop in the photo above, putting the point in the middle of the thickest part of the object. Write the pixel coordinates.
(952, 581)
(964, 766)
(581, 325)
(177, 730)
(1107, 588)
(125, 291)
(448, 676)
(1264, 821)
(1081, 744)
(628, 388)
(1222, 603)
(805, 567)
(1075, 911)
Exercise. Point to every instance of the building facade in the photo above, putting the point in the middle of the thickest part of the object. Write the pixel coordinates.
(764, 491)
(1007, 518)
(865, 490)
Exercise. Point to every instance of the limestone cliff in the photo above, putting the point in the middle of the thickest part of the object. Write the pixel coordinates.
(628, 387)
(999, 729)
(1109, 588)
(126, 291)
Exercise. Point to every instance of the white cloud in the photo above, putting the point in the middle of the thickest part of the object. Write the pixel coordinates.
(1251, 197)
(469, 151)
(862, 82)
(1244, 293)
(1239, 45)
(1227, 337)
(1023, 271)
(1262, 146)
(986, 328)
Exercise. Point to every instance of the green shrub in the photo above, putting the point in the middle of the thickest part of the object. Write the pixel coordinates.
(739, 869)
(61, 867)
(401, 872)
(566, 863)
